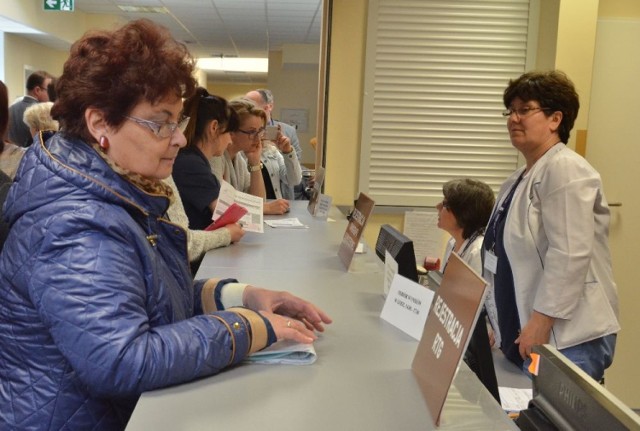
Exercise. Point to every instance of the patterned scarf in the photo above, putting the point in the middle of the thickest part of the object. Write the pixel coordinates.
(147, 185)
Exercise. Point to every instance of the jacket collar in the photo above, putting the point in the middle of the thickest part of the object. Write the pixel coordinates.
(68, 168)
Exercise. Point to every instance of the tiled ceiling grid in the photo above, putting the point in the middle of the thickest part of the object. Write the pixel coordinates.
(229, 28)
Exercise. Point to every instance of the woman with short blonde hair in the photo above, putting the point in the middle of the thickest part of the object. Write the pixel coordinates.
(38, 118)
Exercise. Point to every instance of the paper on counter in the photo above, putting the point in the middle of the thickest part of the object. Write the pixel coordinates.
(514, 399)
(291, 223)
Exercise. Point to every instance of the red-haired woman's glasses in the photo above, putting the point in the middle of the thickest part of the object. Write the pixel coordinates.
(162, 129)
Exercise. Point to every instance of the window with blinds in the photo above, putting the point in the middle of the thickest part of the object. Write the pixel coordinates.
(435, 73)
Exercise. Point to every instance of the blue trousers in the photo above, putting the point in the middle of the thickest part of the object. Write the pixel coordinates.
(593, 357)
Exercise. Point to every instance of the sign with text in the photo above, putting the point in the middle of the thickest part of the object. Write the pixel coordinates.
(316, 191)
(298, 118)
(357, 223)
(323, 206)
(422, 228)
(454, 311)
(407, 306)
(59, 5)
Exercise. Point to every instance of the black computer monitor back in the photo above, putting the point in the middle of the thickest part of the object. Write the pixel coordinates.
(401, 249)
(567, 398)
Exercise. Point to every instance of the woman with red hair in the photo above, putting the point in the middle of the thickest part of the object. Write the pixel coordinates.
(97, 303)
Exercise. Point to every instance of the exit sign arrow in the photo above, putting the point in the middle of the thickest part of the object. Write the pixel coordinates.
(58, 5)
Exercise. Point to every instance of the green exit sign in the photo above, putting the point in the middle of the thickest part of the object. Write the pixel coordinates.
(60, 5)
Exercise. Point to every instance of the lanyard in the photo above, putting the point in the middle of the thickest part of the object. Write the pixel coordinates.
(501, 212)
(470, 241)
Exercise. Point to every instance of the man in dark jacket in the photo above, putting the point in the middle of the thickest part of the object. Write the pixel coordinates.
(37, 84)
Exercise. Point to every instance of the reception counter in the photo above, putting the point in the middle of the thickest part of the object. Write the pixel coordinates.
(362, 379)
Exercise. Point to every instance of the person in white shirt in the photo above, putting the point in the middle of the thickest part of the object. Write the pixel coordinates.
(263, 98)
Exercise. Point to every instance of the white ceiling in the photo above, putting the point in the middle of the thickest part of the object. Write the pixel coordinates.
(231, 28)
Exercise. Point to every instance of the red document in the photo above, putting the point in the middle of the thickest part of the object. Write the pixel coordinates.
(234, 213)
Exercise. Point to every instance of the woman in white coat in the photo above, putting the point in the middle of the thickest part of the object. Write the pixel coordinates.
(546, 251)
(281, 167)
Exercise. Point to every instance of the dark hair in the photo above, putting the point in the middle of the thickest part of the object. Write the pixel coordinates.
(553, 90)
(51, 90)
(4, 113)
(471, 202)
(203, 108)
(113, 71)
(36, 79)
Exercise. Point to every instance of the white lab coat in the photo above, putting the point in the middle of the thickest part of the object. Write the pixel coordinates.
(556, 238)
(471, 254)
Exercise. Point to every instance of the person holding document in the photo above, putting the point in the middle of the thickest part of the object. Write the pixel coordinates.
(545, 253)
(97, 304)
(199, 242)
(208, 134)
(243, 164)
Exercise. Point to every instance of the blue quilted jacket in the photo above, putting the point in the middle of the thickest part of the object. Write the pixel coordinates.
(96, 300)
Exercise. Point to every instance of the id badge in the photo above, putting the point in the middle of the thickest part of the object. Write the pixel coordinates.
(490, 261)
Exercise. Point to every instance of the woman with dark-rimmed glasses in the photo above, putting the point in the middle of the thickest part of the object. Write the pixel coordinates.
(546, 252)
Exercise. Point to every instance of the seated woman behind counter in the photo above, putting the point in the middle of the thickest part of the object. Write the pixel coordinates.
(97, 304)
(463, 213)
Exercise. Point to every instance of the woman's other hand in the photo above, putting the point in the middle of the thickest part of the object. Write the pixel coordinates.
(276, 207)
(492, 335)
(286, 304)
(534, 333)
(254, 153)
(289, 329)
(236, 231)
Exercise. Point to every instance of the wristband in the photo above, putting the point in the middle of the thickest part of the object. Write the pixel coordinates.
(254, 168)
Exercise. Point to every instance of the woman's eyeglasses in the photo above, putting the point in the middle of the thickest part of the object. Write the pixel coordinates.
(253, 134)
(443, 204)
(162, 129)
(525, 111)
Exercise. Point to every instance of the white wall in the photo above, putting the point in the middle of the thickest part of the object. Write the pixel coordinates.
(614, 151)
(293, 80)
(295, 86)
